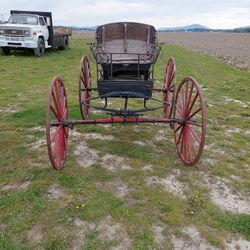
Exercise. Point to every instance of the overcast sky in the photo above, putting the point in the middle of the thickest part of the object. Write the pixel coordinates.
(160, 13)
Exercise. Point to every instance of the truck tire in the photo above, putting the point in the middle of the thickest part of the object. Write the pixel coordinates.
(4, 51)
(40, 50)
(65, 44)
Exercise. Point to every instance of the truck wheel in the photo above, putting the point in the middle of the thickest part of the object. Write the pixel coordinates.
(40, 50)
(65, 43)
(4, 51)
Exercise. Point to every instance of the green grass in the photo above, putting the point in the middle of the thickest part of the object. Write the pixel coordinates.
(237, 224)
(24, 82)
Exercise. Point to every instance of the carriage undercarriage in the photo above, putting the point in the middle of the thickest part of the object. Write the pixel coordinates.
(126, 71)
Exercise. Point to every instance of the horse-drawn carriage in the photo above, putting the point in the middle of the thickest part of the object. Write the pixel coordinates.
(125, 54)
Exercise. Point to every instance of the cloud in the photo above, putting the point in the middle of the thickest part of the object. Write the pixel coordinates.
(212, 13)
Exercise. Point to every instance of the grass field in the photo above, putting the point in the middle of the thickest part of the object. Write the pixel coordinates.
(123, 187)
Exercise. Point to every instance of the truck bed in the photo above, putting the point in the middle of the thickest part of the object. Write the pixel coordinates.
(62, 32)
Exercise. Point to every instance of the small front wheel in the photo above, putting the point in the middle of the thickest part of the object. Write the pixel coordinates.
(4, 51)
(40, 50)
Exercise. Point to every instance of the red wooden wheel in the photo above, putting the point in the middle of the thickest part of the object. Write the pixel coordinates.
(190, 128)
(57, 111)
(84, 85)
(169, 84)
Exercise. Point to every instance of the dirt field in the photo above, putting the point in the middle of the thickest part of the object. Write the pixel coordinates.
(232, 47)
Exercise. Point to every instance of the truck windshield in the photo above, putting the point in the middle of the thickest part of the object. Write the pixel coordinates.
(23, 19)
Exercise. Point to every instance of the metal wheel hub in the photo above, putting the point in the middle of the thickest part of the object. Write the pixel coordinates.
(183, 120)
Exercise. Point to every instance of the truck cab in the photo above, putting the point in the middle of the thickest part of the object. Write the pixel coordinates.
(31, 30)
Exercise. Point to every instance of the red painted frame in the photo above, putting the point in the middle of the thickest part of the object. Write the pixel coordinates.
(112, 120)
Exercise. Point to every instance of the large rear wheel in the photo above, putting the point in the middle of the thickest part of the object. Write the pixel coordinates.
(190, 126)
(57, 134)
(84, 87)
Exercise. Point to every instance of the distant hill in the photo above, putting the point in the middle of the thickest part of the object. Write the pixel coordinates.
(245, 27)
(83, 28)
(242, 29)
(188, 28)
(193, 27)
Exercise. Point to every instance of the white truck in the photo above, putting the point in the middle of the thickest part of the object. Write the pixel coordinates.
(31, 30)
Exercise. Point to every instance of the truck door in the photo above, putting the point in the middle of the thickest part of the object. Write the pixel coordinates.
(44, 28)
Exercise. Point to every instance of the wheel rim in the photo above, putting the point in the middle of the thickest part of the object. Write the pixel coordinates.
(169, 84)
(190, 128)
(57, 111)
(84, 85)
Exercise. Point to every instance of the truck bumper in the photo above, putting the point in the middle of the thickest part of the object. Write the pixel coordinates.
(17, 42)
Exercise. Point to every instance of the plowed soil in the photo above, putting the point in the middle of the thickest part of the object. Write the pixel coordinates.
(234, 48)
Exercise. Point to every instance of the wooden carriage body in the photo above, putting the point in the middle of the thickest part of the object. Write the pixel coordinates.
(125, 53)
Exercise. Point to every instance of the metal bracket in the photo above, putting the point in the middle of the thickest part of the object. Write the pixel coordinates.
(67, 123)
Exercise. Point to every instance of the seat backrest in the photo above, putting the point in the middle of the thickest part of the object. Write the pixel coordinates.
(125, 37)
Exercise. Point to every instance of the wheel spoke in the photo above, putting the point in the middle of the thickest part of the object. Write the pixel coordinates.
(185, 142)
(59, 150)
(192, 143)
(178, 128)
(189, 98)
(53, 110)
(63, 103)
(194, 123)
(195, 136)
(193, 102)
(197, 111)
(62, 146)
(56, 105)
(59, 94)
(182, 100)
(188, 145)
(56, 133)
(182, 143)
(180, 135)
(186, 98)
(178, 110)
(56, 148)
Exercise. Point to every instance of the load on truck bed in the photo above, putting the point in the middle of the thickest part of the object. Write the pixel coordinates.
(32, 30)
